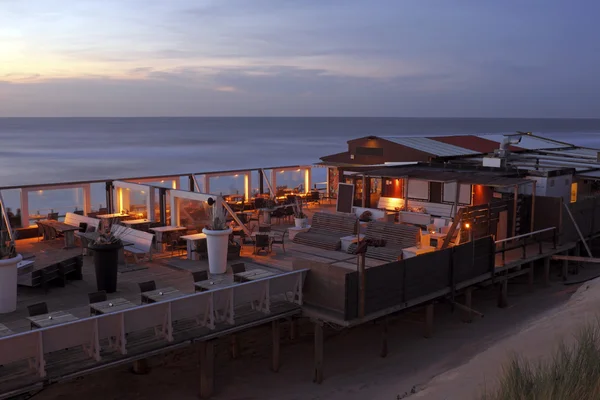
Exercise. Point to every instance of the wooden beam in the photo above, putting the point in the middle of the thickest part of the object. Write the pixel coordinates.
(275, 328)
(384, 338)
(576, 259)
(428, 320)
(293, 328)
(530, 276)
(503, 294)
(532, 224)
(362, 285)
(468, 312)
(235, 346)
(578, 230)
(206, 355)
(515, 202)
(318, 375)
(141, 367)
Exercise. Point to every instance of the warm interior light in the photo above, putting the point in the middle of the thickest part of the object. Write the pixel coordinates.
(467, 225)
(298, 170)
(40, 191)
(281, 172)
(143, 192)
(236, 175)
(162, 181)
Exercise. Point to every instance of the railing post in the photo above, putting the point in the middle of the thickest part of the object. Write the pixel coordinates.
(554, 238)
(524, 247)
(540, 243)
(503, 252)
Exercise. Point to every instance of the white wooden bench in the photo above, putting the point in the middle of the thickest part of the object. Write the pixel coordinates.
(142, 241)
(76, 219)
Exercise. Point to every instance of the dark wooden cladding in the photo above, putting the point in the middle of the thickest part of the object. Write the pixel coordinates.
(398, 282)
(586, 216)
(427, 273)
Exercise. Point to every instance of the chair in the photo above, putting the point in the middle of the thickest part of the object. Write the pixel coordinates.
(37, 309)
(49, 233)
(146, 287)
(288, 213)
(259, 202)
(202, 249)
(200, 276)
(97, 297)
(53, 216)
(264, 228)
(237, 268)
(177, 245)
(278, 214)
(262, 242)
(41, 232)
(280, 240)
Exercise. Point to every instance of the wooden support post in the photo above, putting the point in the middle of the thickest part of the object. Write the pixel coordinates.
(565, 267)
(530, 275)
(141, 367)
(547, 271)
(384, 337)
(503, 294)
(362, 285)
(276, 345)
(318, 376)
(467, 314)
(428, 321)
(293, 329)
(235, 347)
(206, 355)
(515, 204)
(577, 254)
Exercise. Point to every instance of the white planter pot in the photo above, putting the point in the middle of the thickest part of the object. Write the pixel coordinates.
(216, 242)
(8, 284)
(301, 222)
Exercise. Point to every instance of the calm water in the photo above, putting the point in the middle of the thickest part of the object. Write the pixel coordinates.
(44, 150)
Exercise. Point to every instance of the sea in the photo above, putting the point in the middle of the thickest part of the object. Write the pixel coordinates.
(51, 150)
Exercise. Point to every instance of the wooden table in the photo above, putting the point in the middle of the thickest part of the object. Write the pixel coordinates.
(164, 294)
(53, 318)
(67, 230)
(192, 245)
(109, 306)
(5, 331)
(254, 274)
(216, 283)
(160, 230)
(133, 222)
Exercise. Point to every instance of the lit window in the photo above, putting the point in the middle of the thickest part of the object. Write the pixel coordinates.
(573, 192)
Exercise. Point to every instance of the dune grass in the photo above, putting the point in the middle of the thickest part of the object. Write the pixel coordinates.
(573, 372)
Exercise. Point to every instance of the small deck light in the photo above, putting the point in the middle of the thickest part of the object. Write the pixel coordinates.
(467, 225)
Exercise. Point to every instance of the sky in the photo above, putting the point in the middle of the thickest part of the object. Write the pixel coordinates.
(395, 58)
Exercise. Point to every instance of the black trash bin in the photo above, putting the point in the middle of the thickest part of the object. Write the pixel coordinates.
(106, 263)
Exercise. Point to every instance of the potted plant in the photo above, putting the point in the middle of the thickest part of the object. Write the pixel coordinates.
(300, 219)
(9, 260)
(217, 239)
(106, 249)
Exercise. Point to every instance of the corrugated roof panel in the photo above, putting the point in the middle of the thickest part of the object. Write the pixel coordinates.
(472, 142)
(576, 152)
(430, 146)
(527, 142)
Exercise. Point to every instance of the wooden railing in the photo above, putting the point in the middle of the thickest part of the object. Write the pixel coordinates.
(206, 308)
(522, 241)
